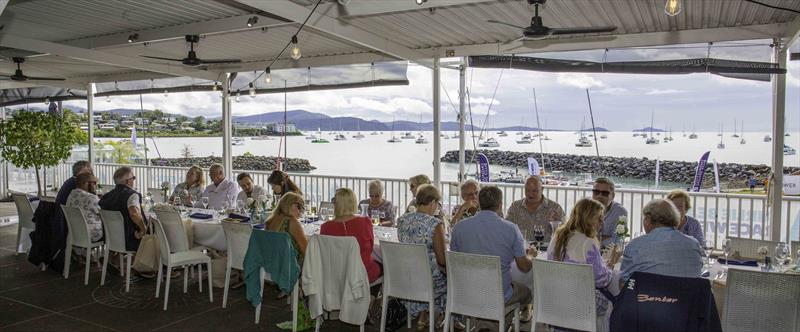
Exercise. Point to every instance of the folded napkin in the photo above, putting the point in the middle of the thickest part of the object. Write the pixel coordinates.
(200, 215)
(258, 226)
(739, 262)
(239, 217)
(33, 199)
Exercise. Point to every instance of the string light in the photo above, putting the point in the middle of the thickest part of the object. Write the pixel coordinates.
(237, 96)
(252, 91)
(268, 76)
(47, 100)
(215, 87)
(108, 99)
(166, 93)
(252, 21)
(295, 53)
(672, 7)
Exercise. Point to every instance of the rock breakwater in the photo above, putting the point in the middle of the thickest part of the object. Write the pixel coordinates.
(254, 163)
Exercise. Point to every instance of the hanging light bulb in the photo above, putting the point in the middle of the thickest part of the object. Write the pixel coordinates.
(47, 100)
(215, 87)
(672, 7)
(237, 96)
(108, 99)
(295, 49)
(166, 93)
(252, 90)
(267, 76)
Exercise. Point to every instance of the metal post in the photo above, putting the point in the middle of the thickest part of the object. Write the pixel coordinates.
(778, 123)
(227, 159)
(437, 124)
(90, 120)
(462, 106)
(4, 188)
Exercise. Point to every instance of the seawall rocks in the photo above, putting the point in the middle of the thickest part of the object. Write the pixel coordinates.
(255, 163)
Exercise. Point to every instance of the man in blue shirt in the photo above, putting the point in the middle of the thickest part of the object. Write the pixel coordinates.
(487, 233)
(81, 166)
(663, 250)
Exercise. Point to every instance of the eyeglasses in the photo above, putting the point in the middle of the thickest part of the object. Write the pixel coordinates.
(374, 196)
(603, 193)
(131, 178)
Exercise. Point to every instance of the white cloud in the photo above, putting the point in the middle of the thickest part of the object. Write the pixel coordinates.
(655, 92)
(578, 80)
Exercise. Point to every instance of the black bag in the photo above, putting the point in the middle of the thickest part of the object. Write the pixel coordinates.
(396, 314)
(50, 237)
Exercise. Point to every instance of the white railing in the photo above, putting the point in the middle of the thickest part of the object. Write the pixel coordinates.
(721, 215)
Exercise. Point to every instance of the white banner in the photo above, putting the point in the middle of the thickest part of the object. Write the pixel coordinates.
(791, 184)
(533, 167)
(716, 175)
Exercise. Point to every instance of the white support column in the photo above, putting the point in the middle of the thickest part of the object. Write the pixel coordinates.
(4, 188)
(437, 124)
(90, 120)
(778, 123)
(462, 106)
(227, 159)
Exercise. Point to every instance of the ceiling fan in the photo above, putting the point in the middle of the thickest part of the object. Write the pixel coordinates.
(20, 77)
(537, 30)
(191, 58)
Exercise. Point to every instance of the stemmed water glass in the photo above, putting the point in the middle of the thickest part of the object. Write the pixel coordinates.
(376, 217)
(726, 250)
(204, 201)
(708, 245)
(781, 253)
(192, 200)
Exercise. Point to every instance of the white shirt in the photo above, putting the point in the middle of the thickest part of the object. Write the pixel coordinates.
(218, 194)
(257, 192)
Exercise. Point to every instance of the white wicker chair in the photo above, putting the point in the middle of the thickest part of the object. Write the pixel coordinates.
(761, 301)
(748, 248)
(114, 230)
(475, 289)
(237, 237)
(181, 258)
(25, 214)
(406, 275)
(78, 237)
(564, 295)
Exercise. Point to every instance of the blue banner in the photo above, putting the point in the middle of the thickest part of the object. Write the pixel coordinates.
(483, 165)
(700, 172)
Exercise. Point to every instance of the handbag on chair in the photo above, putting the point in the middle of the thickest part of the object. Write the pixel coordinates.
(146, 259)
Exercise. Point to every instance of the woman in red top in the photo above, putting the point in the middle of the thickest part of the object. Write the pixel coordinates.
(346, 223)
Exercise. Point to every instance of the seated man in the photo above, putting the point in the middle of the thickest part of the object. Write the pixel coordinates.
(469, 193)
(487, 233)
(125, 199)
(85, 198)
(663, 250)
(81, 166)
(222, 191)
(603, 192)
(535, 210)
(249, 189)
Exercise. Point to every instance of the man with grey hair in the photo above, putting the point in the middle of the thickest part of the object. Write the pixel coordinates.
(603, 192)
(222, 191)
(125, 199)
(81, 166)
(469, 193)
(535, 210)
(663, 250)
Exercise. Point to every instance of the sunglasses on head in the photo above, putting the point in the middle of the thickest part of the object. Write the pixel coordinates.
(603, 193)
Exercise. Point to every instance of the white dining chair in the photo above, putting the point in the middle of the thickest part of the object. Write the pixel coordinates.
(748, 248)
(475, 289)
(78, 236)
(564, 295)
(114, 231)
(176, 259)
(761, 301)
(175, 230)
(25, 214)
(295, 296)
(237, 238)
(406, 275)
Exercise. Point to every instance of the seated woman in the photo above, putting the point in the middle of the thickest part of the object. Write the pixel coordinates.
(85, 198)
(282, 184)
(376, 203)
(286, 218)
(190, 189)
(576, 242)
(422, 227)
(688, 225)
(249, 189)
(346, 223)
(413, 183)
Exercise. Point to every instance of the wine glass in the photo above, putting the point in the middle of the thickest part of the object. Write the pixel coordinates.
(726, 250)
(708, 245)
(204, 201)
(149, 197)
(192, 200)
(376, 217)
(781, 253)
(240, 206)
(538, 235)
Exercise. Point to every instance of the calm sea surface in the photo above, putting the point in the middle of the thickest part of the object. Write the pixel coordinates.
(373, 156)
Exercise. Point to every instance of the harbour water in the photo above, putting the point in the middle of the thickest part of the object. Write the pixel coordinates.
(373, 156)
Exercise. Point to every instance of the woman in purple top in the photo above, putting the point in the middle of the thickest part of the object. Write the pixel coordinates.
(576, 242)
(688, 225)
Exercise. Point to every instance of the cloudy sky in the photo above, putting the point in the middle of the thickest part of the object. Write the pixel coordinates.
(619, 101)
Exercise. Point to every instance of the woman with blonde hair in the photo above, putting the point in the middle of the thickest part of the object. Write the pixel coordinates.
(413, 184)
(576, 242)
(191, 188)
(688, 225)
(286, 218)
(347, 223)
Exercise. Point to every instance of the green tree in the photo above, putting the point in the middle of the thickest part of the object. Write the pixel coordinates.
(123, 152)
(37, 139)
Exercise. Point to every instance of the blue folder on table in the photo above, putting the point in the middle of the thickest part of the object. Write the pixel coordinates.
(200, 215)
